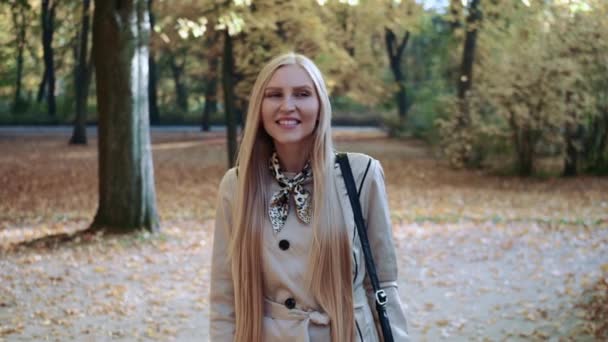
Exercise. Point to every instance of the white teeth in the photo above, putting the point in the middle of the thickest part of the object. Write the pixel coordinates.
(288, 122)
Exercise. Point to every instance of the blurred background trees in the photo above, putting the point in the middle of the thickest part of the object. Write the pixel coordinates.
(488, 82)
(539, 87)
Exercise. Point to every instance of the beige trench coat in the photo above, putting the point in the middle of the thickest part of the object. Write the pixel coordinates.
(291, 314)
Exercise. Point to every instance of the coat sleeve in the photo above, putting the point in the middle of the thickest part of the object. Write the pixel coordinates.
(221, 297)
(380, 236)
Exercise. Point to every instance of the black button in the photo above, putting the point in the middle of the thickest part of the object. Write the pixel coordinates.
(290, 303)
(284, 245)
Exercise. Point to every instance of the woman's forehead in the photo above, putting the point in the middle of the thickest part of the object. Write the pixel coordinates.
(290, 76)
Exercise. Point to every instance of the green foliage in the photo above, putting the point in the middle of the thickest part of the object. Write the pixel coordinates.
(426, 65)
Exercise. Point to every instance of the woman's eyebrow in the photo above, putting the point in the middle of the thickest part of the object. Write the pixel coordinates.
(302, 87)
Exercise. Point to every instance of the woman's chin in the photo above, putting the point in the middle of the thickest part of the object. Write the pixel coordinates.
(291, 140)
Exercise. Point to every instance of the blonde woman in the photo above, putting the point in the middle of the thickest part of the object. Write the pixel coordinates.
(287, 264)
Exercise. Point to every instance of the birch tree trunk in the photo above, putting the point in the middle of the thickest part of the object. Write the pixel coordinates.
(79, 135)
(127, 199)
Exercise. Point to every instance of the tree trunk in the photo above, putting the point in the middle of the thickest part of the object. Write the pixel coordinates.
(465, 79)
(153, 84)
(525, 152)
(19, 21)
(127, 199)
(79, 135)
(395, 54)
(573, 136)
(596, 141)
(468, 54)
(210, 93)
(48, 18)
(524, 149)
(42, 87)
(602, 159)
(348, 42)
(181, 92)
(227, 83)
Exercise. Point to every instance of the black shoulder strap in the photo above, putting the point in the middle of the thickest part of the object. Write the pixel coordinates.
(347, 174)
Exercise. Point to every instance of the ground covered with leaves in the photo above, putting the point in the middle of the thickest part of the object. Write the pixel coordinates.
(482, 257)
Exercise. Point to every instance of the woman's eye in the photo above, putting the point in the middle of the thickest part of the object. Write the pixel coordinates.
(303, 94)
(273, 95)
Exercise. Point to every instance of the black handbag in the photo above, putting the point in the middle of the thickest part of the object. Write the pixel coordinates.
(379, 293)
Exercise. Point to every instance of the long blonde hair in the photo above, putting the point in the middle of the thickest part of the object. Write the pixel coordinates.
(329, 274)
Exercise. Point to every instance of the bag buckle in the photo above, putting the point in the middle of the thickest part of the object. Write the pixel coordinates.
(381, 297)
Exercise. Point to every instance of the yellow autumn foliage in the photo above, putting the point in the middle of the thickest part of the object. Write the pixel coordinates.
(537, 74)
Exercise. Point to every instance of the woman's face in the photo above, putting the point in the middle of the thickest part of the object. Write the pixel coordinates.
(290, 107)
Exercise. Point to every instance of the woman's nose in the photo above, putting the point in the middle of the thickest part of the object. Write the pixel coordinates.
(288, 104)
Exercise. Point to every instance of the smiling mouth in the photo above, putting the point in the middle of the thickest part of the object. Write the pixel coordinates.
(288, 122)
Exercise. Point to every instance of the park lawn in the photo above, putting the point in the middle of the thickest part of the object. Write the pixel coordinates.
(538, 231)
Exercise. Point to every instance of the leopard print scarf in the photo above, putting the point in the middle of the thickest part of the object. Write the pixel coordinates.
(279, 203)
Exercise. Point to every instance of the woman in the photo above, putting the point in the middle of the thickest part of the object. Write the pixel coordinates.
(287, 263)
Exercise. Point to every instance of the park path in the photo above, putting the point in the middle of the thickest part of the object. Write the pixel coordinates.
(461, 281)
(483, 281)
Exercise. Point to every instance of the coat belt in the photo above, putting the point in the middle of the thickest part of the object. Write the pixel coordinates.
(280, 311)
